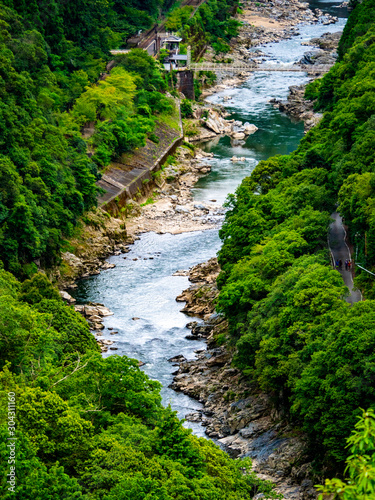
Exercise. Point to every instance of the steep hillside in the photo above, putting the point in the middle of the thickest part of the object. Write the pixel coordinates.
(75, 425)
(293, 331)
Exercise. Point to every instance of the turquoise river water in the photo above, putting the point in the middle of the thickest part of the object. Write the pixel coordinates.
(145, 288)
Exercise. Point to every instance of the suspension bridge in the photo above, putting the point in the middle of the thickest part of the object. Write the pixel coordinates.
(236, 67)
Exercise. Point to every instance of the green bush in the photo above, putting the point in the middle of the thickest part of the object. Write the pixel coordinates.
(186, 109)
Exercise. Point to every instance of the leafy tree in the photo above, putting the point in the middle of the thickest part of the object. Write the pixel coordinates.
(37, 288)
(144, 68)
(178, 18)
(102, 101)
(69, 323)
(186, 109)
(360, 469)
(33, 478)
(293, 331)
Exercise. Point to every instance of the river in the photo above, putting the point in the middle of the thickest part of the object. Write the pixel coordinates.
(141, 290)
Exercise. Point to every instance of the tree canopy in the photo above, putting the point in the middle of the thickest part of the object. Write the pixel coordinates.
(293, 330)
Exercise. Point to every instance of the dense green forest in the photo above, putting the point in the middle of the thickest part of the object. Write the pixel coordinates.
(52, 55)
(293, 331)
(53, 58)
(94, 428)
(86, 427)
(89, 427)
(211, 25)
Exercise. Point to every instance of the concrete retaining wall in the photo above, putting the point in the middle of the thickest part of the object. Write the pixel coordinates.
(131, 176)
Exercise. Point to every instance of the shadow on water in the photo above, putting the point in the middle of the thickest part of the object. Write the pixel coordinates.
(330, 7)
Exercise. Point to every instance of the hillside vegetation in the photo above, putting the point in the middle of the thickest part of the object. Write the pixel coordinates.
(52, 56)
(94, 428)
(86, 427)
(293, 331)
(54, 88)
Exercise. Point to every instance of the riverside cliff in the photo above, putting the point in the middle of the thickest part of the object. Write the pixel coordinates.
(235, 412)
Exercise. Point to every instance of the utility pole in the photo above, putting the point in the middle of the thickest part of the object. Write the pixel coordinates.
(188, 62)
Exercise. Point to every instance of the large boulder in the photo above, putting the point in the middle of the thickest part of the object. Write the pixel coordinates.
(238, 135)
(67, 297)
(250, 128)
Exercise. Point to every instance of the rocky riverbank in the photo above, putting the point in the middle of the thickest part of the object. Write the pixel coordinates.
(209, 122)
(266, 23)
(170, 208)
(235, 412)
(263, 23)
(323, 54)
(98, 236)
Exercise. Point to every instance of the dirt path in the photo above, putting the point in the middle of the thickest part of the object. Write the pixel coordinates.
(340, 251)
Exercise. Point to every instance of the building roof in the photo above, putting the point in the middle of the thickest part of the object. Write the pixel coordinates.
(171, 39)
(178, 57)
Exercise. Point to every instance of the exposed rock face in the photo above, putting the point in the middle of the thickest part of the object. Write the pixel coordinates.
(299, 107)
(100, 237)
(296, 105)
(327, 42)
(94, 313)
(214, 123)
(236, 412)
(67, 297)
(175, 210)
(244, 420)
(200, 296)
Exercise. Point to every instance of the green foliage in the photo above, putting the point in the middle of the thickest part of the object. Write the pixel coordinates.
(89, 427)
(221, 47)
(47, 181)
(38, 288)
(178, 18)
(144, 68)
(294, 333)
(155, 102)
(359, 22)
(360, 469)
(186, 109)
(33, 478)
(36, 327)
(59, 430)
(347, 91)
(113, 138)
(74, 328)
(211, 24)
(102, 101)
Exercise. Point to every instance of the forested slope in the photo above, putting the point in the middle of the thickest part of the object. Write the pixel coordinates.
(293, 331)
(85, 427)
(52, 84)
(89, 427)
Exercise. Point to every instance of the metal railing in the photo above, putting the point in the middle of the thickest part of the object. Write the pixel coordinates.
(228, 68)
